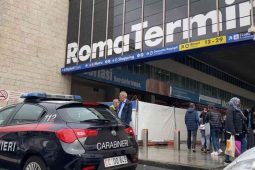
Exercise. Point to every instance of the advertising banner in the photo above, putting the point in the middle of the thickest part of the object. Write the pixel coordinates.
(126, 79)
(117, 77)
(210, 100)
(203, 43)
(184, 94)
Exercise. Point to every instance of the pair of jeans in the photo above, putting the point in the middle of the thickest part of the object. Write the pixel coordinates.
(193, 134)
(205, 140)
(215, 133)
(244, 143)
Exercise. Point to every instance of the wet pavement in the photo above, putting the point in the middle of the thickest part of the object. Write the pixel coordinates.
(147, 167)
(167, 157)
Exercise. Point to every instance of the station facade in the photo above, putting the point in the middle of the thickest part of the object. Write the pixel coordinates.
(153, 49)
(168, 52)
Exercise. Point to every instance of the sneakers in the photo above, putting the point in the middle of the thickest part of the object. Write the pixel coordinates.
(214, 154)
(227, 162)
(220, 151)
(203, 149)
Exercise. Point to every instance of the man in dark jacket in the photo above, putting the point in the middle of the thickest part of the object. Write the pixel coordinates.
(235, 123)
(215, 121)
(125, 108)
(192, 122)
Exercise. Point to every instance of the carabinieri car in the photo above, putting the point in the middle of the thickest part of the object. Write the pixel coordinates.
(54, 132)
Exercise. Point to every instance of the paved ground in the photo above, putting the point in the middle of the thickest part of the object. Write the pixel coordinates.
(146, 167)
(139, 167)
(163, 158)
(169, 158)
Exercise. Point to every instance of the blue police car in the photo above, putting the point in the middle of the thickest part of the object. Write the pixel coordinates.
(60, 132)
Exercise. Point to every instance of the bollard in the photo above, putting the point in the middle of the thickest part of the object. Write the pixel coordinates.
(177, 139)
(145, 137)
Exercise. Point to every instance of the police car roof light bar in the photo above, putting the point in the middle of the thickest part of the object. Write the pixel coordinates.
(33, 95)
(64, 97)
(44, 96)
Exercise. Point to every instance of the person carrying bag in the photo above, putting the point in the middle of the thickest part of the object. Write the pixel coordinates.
(230, 146)
(234, 128)
(205, 138)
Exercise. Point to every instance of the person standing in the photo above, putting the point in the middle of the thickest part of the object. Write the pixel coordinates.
(215, 121)
(125, 108)
(192, 123)
(249, 124)
(115, 105)
(205, 139)
(235, 124)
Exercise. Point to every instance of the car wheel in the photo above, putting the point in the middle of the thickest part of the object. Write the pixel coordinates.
(34, 163)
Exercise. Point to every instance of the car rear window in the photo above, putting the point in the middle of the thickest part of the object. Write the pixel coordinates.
(81, 113)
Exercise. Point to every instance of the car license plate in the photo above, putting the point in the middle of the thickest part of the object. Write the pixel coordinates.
(115, 161)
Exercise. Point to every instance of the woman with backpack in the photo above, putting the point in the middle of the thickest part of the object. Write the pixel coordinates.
(215, 120)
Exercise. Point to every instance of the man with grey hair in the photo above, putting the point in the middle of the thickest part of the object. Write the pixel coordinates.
(125, 108)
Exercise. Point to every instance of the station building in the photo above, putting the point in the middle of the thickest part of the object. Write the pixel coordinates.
(169, 52)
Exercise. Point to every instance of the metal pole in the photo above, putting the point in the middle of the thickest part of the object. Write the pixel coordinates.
(252, 13)
(218, 18)
(79, 33)
(107, 27)
(92, 29)
(123, 24)
(136, 119)
(145, 137)
(174, 119)
(142, 20)
(189, 20)
(164, 22)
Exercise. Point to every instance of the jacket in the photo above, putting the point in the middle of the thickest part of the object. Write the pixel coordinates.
(215, 120)
(191, 119)
(113, 109)
(234, 121)
(203, 118)
(126, 114)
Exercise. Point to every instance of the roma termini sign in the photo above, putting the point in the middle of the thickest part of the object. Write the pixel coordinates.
(233, 19)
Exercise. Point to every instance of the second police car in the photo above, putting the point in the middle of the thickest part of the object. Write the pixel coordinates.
(48, 132)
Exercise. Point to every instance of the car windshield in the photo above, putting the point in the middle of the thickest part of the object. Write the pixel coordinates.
(87, 114)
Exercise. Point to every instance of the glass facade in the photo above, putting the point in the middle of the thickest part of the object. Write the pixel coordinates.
(215, 72)
(173, 79)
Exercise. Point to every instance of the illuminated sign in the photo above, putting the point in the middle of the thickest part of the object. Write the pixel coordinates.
(203, 43)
